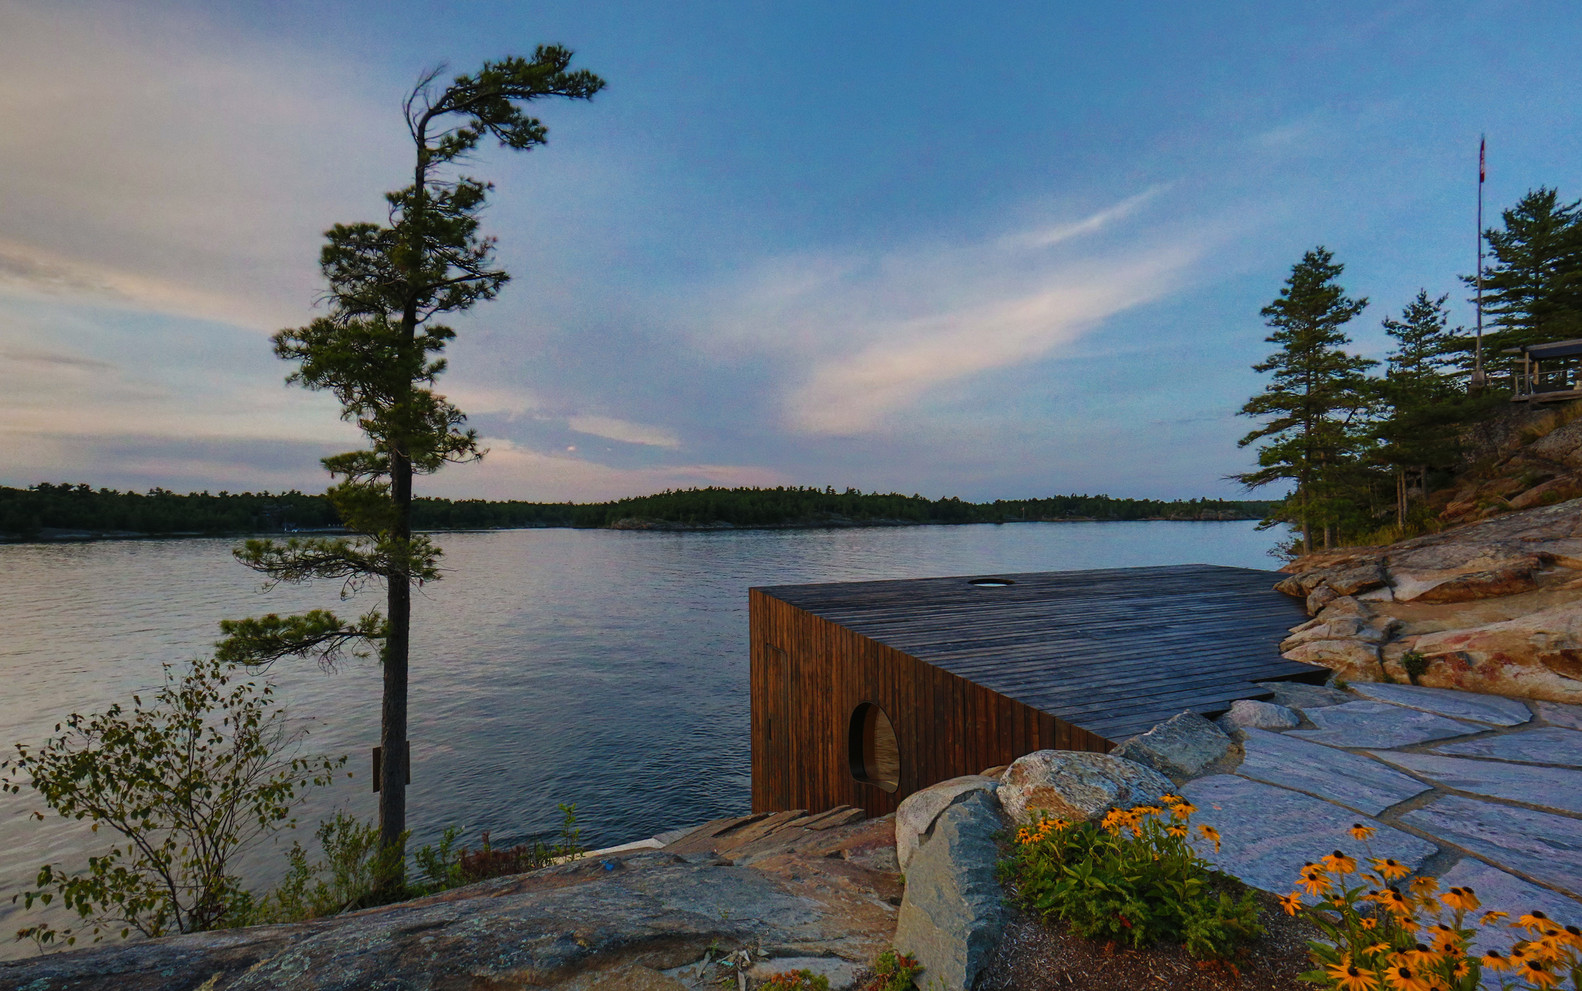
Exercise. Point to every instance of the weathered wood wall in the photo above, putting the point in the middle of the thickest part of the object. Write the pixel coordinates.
(809, 674)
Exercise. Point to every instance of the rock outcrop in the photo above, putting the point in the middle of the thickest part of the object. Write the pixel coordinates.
(1492, 606)
(1066, 784)
(756, 891)
(952, 913)
(1181, 747)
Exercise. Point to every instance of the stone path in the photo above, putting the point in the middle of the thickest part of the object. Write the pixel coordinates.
(1476, 790)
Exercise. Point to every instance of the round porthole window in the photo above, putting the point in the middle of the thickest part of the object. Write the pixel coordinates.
(875, 754)
(991, 582)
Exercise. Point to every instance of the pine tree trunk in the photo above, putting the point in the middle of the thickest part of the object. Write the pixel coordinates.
(397, 650)
(1400, 498)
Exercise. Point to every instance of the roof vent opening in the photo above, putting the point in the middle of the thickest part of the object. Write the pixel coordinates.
(991, 582)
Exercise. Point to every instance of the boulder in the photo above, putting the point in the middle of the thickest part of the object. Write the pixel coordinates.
(1507, 577)
(1350, 580)
(1069, 784)
(1552, 491)
(1538, 656)
(952, 913)
(914, 820)
(1320, 597)
(1250, 714)
(1181, 747)
(1350, 659)
(1341, 627)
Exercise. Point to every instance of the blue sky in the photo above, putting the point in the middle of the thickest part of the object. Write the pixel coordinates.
(938, 248)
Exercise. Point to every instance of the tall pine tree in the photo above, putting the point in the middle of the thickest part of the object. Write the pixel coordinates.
(1423, 402)
(378, 352)
(1312, 407)
(1532, 290)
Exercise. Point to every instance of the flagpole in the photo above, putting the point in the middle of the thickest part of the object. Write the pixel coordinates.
(1479, 379)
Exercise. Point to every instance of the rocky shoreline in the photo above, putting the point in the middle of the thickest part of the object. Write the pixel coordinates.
(1492, 606)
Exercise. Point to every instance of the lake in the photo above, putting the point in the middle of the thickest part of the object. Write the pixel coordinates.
(602, 668)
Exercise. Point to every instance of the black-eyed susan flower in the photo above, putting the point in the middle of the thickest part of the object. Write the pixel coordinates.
(1211, 834)
(1535, 922)
(1491, 917)
(1292, 903)
(1349, 977)
(1424, 886)
(1389, 867)
(1340, 864)
(1538, 973)
(1496, 961)
(1183, 809)
(1445, 938)
(1461, 899)
(1360, 832)
(1402, 977)
(1171, 799)
(1177, 830)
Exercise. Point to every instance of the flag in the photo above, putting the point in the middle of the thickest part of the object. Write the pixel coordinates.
(1482, 170)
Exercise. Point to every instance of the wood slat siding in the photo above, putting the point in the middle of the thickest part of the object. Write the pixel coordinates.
(974, 677)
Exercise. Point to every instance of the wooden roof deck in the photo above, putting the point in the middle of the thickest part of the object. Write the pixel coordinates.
(1113, 651)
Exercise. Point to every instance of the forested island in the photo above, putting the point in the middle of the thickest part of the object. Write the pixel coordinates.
(65, 511)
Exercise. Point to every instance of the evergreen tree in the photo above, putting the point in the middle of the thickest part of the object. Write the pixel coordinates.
(1313, 407)
(1532, 290)
(378, 351)
(1422, 400)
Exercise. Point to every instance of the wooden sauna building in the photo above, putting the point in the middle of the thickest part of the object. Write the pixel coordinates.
(864, 692)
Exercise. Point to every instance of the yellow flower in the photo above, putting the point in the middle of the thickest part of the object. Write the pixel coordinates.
(1389, 867)
(1367, 922)
(1339, 863)
(1419, 957)
(1348, 977)
(1489, 918)
(1534, 922)
(1210, 833)
(1538, 974)
(1401, 977)
(1360, 832)
(1183, 809)
(1171, 799)
(1292, 903)
(1376, 949)
(1461, 899)
(1445, 937)
(1147, 810)
(1177, 830)
(1496, 961)
(1573, 937)
(1459, 967)
(1314, 880)
(1061, 825)
(1424, 886)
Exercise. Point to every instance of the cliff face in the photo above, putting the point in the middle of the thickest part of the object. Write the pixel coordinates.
(1525, 458)
(1491, 606)
(733, 896)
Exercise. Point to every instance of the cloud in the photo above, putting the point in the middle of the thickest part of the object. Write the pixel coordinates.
(624, 431)
(861, 338)
(513, 471)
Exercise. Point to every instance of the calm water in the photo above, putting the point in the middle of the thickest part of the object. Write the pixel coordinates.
(598, 667)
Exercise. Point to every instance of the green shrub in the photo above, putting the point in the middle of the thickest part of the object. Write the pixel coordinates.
(893, 972)
(1132, 879)
(189, 780)
(1415, 664)
(349, 876)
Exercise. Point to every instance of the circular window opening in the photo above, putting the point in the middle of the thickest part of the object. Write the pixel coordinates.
(875, 755)
(991, 582)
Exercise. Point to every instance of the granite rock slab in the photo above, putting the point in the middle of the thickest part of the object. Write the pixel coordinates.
(1549, 787)
(1561, 714)
(1302, 696)
(1504, 892)
(1540, 845)
(1248, 714)
(1373, 725)
(1269, 832)
(1181, 747)
(952, 912)
(914, 820)
(1065, 784)
(1449, 702)
(1539, 745)
(1347, 779)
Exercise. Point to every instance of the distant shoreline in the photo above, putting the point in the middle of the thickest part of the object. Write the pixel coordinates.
(51, 535)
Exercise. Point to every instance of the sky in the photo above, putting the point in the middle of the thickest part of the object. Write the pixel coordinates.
(990, 251)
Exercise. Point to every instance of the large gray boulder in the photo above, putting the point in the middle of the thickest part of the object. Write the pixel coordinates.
(1247, 714)
(1069, 784)
(952, 912)
(1181, 747)
(915, 818)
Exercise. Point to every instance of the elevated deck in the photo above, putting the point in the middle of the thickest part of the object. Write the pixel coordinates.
(1113, 651)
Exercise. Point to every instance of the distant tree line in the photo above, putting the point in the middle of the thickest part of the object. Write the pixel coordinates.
(1362, 447)
(45, 507)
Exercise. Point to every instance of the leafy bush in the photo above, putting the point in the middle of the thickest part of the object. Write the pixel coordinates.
(1133, 879)
(488, 862)
(893, 972)
(350, 876)
(1381, 937)
(188, 781)
(795, 980)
